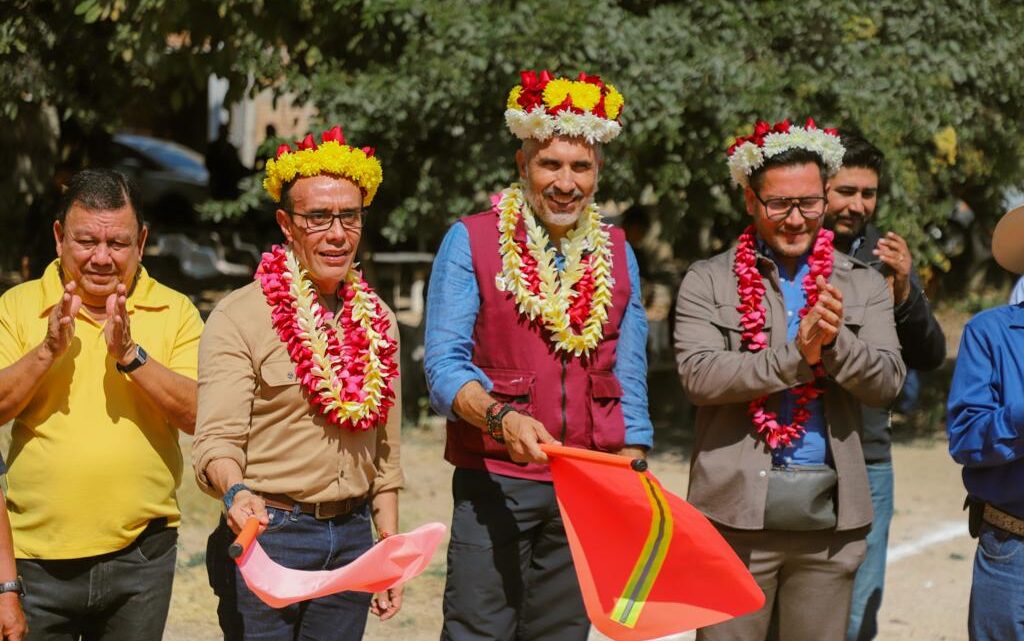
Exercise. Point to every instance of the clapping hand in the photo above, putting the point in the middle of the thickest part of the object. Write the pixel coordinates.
(894, 252)
(117, 329)
(61, 326)
(820, 326)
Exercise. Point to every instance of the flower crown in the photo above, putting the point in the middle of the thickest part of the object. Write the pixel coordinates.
(331, 156)
(544, 106)
(748, 153)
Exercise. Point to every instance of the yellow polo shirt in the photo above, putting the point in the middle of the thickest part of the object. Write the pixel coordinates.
(92, 458)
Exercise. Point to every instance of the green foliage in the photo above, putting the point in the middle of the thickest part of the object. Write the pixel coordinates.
(936, 85)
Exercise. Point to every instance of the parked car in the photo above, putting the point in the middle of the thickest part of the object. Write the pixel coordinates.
(173, 178)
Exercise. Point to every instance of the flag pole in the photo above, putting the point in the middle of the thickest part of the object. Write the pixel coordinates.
(244, 539)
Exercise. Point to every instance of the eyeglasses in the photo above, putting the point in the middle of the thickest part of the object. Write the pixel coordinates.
(350, 220)
(811, 207)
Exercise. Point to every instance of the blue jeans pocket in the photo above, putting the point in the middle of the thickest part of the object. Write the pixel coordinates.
(277, 519)
(998, 545)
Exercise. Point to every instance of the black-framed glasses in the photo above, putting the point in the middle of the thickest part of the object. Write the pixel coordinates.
(810, 207)
(350, 219)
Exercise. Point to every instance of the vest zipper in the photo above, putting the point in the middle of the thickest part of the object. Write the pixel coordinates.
(564, 419)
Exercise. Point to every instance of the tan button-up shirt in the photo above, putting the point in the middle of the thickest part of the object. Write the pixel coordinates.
(253, 410)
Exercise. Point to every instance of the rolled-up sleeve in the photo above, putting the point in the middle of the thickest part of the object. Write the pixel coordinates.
(453, 303)
(227, 383)
(631, 363)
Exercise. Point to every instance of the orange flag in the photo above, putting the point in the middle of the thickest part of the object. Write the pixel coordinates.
(649, 564)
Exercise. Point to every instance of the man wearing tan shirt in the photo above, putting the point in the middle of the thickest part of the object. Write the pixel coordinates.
(298, 381)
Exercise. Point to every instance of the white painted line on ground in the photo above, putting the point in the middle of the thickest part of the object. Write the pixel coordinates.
(946, 531)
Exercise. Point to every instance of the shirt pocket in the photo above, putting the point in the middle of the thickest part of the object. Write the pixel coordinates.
(853, 317)
(727, 319)
(277, 376)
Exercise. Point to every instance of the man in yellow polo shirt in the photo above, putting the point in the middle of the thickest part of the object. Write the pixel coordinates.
(98, 373)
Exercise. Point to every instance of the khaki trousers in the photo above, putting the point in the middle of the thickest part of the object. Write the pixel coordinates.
(807, 579)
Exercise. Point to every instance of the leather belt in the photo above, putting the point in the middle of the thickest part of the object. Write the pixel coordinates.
(323, 510)
(1002, 520)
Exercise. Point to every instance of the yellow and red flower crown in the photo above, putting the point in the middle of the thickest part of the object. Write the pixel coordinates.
(544, 106)
(331, 156)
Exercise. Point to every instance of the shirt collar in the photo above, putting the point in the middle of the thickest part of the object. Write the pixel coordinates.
(766, 251)
(146, 294)
(1017, 316)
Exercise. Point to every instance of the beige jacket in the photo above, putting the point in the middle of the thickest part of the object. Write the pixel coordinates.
(253, 411)
(728, 474)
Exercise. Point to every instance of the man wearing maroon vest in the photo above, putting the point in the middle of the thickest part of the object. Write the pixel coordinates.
(535, 334)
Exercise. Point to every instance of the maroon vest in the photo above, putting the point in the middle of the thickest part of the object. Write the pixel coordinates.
(577, 399)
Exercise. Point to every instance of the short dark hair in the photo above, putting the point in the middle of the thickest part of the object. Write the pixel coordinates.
(861, 153)
(100, 189)
(795, 156)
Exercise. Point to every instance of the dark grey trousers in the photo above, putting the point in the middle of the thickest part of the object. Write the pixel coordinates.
(510, 572)
(120, 596)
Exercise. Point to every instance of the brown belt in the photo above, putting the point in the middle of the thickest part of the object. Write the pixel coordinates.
(1002, 520)
(323, 510)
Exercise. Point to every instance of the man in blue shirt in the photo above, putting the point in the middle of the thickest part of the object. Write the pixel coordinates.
(986, 426)
(534, 333)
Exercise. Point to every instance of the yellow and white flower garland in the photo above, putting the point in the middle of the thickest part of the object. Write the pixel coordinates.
(557, 291)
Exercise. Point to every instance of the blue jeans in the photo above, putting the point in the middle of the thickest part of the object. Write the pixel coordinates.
(302, 542)
(867, 587)
(997, 594)
(120, 596)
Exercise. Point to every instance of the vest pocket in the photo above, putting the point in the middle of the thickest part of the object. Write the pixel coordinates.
(511, 386)
(608, 428)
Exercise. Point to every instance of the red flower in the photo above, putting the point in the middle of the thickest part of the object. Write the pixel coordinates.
(761, 128)
(282, 149)
(810, 124)
(832, 131)
(781, 127)
(335, 134)
(307, 142)
(369, 151)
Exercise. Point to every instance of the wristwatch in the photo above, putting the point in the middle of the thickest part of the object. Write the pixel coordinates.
(17, 585)
(229, 496)
(140, 359)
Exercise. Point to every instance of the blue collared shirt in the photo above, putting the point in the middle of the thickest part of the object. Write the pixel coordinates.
(453, 302)
(1017, 295)
(986, 408)
(813, 448)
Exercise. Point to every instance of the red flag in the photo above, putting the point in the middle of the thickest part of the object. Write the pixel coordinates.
(649, 564)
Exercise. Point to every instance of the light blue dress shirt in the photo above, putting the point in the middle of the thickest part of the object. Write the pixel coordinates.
(1017, 295)
(453, 302)
(813, 448)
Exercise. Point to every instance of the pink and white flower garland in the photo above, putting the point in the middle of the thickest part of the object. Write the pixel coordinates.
(347, 367)
(751, 289)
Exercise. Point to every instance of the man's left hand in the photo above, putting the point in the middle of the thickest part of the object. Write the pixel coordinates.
(633, 452)
(387, 604)
(117, 329)
(894, 252)
(12, 618)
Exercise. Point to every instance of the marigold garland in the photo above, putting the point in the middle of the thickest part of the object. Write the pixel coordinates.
(347, 367)
(572, 305)
(751, 289)
(331, 156)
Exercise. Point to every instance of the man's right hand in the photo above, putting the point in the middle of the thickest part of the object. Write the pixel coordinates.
(246, 506)
(12, 618)
(61, 326)
(820, 326)
(523, 435)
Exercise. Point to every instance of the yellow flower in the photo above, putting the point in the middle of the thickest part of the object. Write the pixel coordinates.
(585, 95)
(329, 158)
(513, 98)
(556, 91)
(613, 102)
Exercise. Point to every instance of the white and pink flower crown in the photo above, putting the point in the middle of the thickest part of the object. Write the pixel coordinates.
(748, 153)
(544, 106)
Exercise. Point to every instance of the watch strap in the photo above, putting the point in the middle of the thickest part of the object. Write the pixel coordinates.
(17, 585)
(140, 359)
(229, 496)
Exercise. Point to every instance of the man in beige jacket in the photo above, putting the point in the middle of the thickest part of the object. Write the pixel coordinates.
(778, 341)
(298, 379)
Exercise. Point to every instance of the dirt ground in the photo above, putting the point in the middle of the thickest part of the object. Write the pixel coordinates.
(926, 590)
